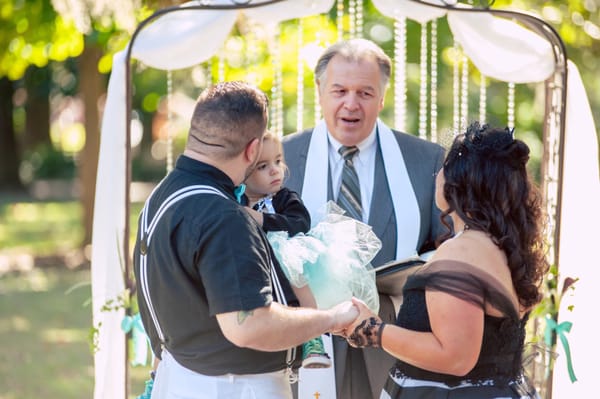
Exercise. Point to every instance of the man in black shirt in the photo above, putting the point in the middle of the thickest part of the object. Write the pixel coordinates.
(207, 287)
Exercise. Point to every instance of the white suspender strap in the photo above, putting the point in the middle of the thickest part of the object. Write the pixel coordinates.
(147, 229)
(280, 297)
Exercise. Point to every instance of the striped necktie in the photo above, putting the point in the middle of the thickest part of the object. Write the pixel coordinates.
(349, 195)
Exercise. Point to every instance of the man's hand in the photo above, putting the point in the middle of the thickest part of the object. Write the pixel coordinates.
(343, 315)
(359, 332)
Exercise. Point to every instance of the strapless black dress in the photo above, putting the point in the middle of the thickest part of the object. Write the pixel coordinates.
(499, 370)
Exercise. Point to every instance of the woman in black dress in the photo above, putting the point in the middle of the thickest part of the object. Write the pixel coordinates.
(460, 331)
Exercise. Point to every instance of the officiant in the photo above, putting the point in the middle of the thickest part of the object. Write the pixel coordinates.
(380, 176)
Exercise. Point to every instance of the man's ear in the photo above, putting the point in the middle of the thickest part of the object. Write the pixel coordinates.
(318, 96)
(382, 101)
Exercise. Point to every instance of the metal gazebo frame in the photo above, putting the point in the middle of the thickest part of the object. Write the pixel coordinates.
(554, 113)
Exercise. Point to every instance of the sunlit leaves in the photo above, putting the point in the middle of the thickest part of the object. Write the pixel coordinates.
(35, 32)
(89, 15)
(31, 33)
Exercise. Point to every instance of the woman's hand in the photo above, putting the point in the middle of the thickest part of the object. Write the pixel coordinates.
(366, 329)
(363, 313)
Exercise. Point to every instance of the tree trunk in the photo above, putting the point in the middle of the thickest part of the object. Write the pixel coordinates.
(37, 108)
(91, 89)
(9, 151)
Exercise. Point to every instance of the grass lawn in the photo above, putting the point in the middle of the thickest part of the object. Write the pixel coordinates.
(45, 228)
(41, 228)
(45, 312)
(45, 320)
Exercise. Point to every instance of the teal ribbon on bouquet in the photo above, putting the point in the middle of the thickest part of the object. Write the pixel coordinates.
(561, 330)
(140, 340)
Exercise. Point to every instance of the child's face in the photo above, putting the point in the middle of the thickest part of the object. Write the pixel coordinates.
(267, 176)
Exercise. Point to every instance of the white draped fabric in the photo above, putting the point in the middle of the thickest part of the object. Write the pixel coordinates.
(193, 37)
(578, 238)
(185, 38)
(499, 48)
(109, 226)
(182, 39)
(411, 10)
(502, 49)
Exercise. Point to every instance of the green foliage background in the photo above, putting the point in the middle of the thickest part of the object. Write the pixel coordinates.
(46, 34)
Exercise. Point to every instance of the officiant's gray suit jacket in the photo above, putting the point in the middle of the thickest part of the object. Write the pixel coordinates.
(423, 160)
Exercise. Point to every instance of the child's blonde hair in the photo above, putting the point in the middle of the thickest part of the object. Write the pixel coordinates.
(269, 135)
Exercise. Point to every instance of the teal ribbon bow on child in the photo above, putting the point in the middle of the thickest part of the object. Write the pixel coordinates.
(239, 191)
(140, 340)
(560, 329)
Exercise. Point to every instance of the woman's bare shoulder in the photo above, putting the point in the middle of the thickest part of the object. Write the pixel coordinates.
(472, 247)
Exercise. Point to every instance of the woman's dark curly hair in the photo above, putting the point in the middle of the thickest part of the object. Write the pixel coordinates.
(487, 185)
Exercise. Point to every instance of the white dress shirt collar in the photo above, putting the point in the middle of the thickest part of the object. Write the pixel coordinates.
(364, 163)
(367, 145)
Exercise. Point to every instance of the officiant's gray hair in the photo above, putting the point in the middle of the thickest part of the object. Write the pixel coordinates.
(355, 50)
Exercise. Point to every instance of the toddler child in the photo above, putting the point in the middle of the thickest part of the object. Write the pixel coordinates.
(277, 208)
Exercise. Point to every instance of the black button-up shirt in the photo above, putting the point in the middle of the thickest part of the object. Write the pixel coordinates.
(207, 256)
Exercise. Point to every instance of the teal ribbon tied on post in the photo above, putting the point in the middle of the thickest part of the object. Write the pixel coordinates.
(561, 330)
(140, 340)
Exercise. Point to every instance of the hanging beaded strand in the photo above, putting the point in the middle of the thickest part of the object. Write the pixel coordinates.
(433, 84)
(340, 19)
(352, 17)
(276, 97)
(359, 18)
(400, 73)
(464, 94)
(482, 98)
(456, 89)
(464, 89)
(300, 80)
(169, 120)
(317, 108)
(510, 108)
(423, 64)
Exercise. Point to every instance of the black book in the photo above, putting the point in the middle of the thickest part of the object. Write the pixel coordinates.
(391, 276)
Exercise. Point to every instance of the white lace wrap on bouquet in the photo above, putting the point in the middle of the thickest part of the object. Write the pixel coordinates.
(333, 258)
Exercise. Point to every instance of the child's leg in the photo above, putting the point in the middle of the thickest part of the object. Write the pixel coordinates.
(314, 355)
